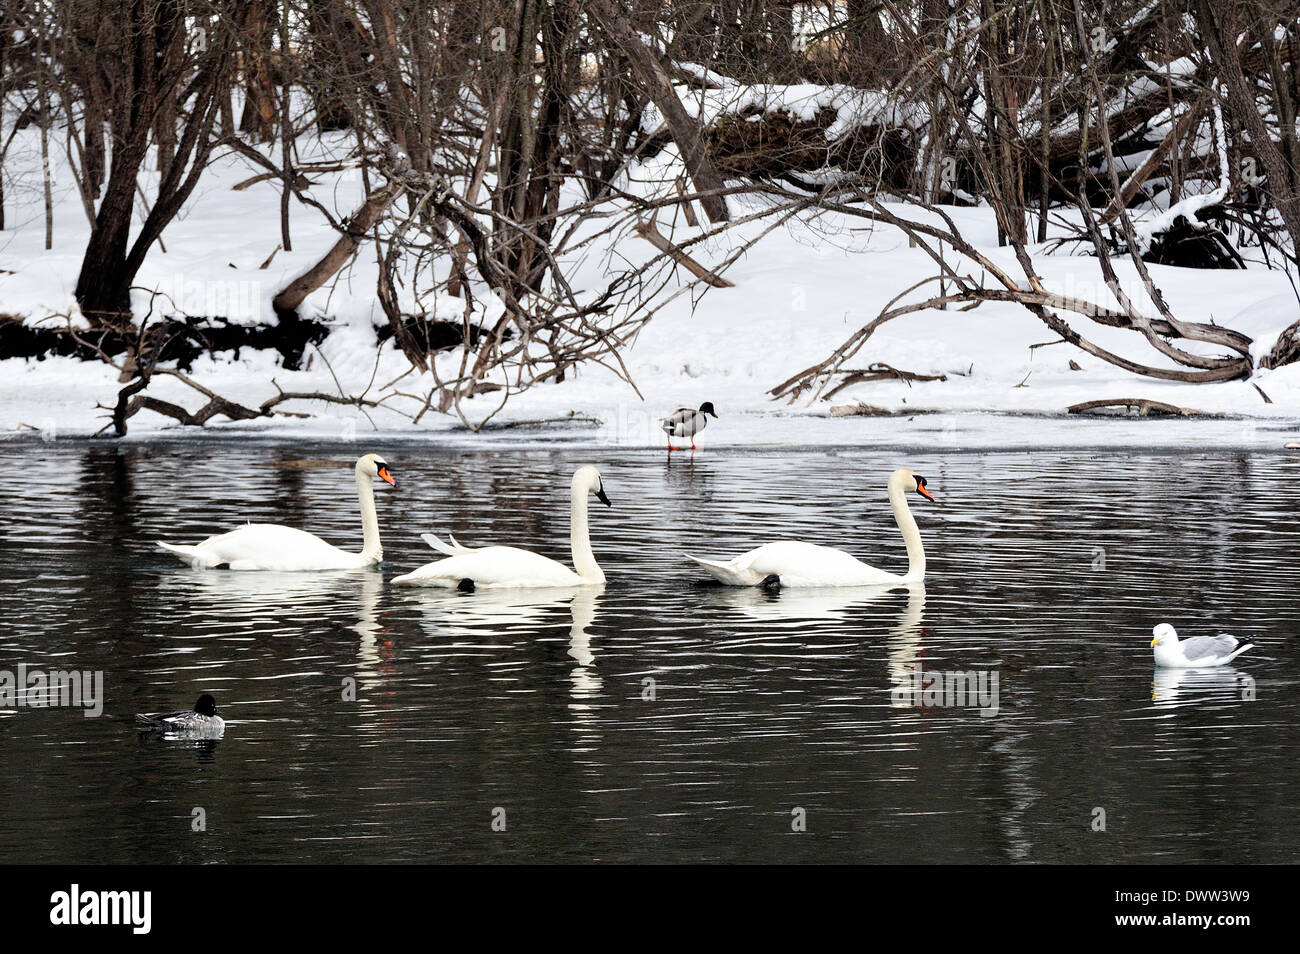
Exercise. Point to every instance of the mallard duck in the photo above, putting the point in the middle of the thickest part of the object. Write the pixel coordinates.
(685, 422)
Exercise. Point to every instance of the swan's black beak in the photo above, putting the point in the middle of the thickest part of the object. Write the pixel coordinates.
(386, 475)
(920, 489)
(600, 495)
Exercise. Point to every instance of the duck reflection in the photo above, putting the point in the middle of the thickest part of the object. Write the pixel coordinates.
(203, 750)
(688, 479)
(1188, 686)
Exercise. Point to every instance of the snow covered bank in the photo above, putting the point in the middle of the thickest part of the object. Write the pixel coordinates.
(799, 291)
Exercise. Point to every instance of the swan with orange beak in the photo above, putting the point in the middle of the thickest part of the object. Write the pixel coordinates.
(793, 563)
(271, 546)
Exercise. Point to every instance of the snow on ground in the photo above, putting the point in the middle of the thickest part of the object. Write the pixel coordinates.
(798, 294)
(853, 107)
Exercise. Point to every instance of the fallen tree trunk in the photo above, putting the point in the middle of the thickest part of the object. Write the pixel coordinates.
(1145, 407)
(292, 295)
(1151, 163)
(879, 371)
(130, 402)
(178, 340)
(761, 143)
(859, 410)
(1286, 350)
(1043, 304)
(1189, 244)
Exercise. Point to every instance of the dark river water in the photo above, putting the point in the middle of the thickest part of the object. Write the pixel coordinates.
(659, 719)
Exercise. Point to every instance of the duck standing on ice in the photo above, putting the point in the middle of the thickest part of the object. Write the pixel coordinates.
(685, 422)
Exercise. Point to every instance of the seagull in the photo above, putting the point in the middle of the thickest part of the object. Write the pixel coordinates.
(686, 423)
(1172, 652)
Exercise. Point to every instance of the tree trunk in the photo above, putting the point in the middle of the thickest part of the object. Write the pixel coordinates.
(108, 268)
(1283, 187)
(683, 128)
(255, 31)
(287, 301)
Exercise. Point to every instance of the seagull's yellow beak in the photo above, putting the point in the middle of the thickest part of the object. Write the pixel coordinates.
(1154, 641)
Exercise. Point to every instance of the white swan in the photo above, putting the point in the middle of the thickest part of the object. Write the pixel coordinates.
(1174, 653)
(467, 568)
(791, 563)
(270, 546)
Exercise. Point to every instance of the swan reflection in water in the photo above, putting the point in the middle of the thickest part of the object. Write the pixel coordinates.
(371, 648)
(793, 609)
(1191, 685)
(283, 598)
(795, 606)
(478, 621)
(585, 684)
(905, 643)
(471, 617)
(279, 604)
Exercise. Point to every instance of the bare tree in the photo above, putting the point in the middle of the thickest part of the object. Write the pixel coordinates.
(156, 64)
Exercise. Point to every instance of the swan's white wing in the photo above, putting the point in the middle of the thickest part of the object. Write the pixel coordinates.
(1207, 647)
(194, 556)
(730, 572)
(266, 546)
(453, 548)
(493, 567)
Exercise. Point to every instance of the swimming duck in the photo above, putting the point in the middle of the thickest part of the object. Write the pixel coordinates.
(201, 721)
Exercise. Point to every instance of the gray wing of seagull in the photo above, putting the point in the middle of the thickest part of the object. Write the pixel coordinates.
(1208, 647)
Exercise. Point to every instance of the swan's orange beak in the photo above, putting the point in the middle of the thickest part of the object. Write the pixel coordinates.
(920, 489)
(386, 477)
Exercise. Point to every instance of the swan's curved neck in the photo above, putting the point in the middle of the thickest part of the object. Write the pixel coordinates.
(584, 561)
(372, 550)
(911, 533)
